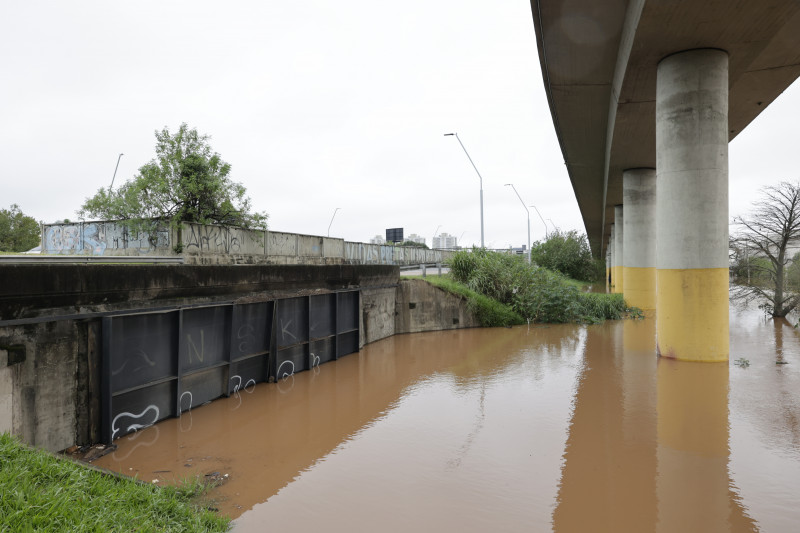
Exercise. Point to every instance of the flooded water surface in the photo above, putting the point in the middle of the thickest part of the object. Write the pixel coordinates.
(547, 428)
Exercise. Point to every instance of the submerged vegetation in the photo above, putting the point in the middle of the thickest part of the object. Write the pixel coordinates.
(526, 292)
(40, 492)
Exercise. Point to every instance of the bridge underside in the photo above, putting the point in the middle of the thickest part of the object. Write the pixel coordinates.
(645, 97)
(599, 61)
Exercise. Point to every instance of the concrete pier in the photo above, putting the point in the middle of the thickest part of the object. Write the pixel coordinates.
(692, 205)
(639, 261)
(619, 246)
(613, 254)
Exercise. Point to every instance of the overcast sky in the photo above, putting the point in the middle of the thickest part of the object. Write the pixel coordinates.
(316, 105)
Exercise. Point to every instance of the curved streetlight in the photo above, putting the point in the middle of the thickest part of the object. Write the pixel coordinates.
(329, 225)
(479, 177)
(529, 218)
(115, 173)
(543, 222)
(434, 234)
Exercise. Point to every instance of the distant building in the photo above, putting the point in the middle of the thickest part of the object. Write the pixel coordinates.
(377, 239)
(416, 238)
(444, 241)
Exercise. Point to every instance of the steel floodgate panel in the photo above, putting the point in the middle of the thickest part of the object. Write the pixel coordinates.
(159, 364)
(291, 360)
(142, 349)
(251, 328)
(204, 337)
(141, 408)
(323, 351)
(322, 310)
(292, 321)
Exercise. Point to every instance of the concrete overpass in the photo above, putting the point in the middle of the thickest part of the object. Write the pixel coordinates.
(651, 91)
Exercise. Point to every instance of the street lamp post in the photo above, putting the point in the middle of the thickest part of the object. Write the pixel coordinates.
(479, 177)
(529, 218)
(434, 234)
(543, 222)
(115, 173)
(329, 225)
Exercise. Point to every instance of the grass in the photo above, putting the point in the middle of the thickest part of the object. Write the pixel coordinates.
(41, 492)
(488, 311)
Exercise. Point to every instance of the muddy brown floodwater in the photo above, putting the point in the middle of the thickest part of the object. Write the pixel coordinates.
(547, 428)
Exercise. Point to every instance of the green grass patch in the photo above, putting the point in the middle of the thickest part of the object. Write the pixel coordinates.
(489, 312)
(41, 492)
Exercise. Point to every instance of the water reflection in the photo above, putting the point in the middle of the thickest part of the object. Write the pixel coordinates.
(567, 428)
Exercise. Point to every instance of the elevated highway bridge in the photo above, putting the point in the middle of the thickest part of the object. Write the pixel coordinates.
(645, 96)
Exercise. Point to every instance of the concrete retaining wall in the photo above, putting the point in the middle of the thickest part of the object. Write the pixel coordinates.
(221, 245)
(50, 325)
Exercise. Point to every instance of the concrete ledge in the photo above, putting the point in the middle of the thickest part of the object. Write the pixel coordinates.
(30, 291)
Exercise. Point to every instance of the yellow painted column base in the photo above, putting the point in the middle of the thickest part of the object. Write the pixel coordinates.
(692, 314)
(617, 278)
(640, 287)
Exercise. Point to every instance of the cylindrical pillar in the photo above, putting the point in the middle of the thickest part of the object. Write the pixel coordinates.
(639, 233)
(613, 253)
(619, 247)
(692, 206)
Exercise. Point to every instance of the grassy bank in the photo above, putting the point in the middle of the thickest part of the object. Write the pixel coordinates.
(502, 290)
(40, 492)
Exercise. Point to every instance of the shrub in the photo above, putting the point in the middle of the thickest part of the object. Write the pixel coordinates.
(568, 252)
(535, 293)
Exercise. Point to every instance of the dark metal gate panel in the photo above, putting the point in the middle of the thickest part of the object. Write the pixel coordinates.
(204, 340)
(292, 321)
(322, 328)
(141, 349)
(140, 371)
(251, 335)
(347, 334)
(157, 365)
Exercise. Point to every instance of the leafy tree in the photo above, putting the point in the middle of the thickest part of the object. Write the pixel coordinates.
(18, 232)
(185, 182)
(567, 252)
(763, 238)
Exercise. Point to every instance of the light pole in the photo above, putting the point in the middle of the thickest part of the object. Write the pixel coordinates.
(529, 218)
(543, 222)
(434, 234)
(115, 173)
(479, 177)
(329, 225)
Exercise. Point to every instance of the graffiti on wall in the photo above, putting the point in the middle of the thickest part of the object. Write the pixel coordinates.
(216, 239)
(94, 238)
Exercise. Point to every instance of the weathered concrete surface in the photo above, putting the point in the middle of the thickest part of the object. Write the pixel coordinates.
(200, 244)
(6, 394)
(57, 289)
(423, 307)
(692, 206)
(44, 387)
(639, 270)
(377, 314)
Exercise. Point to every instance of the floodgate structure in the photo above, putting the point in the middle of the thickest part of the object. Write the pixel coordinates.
(91, 352)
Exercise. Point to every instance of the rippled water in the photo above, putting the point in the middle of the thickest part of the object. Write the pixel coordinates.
(562, 428)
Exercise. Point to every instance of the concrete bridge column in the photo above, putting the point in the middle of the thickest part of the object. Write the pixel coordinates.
(613, 253)
(619, 247)
(692, 205)
(639, 233)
